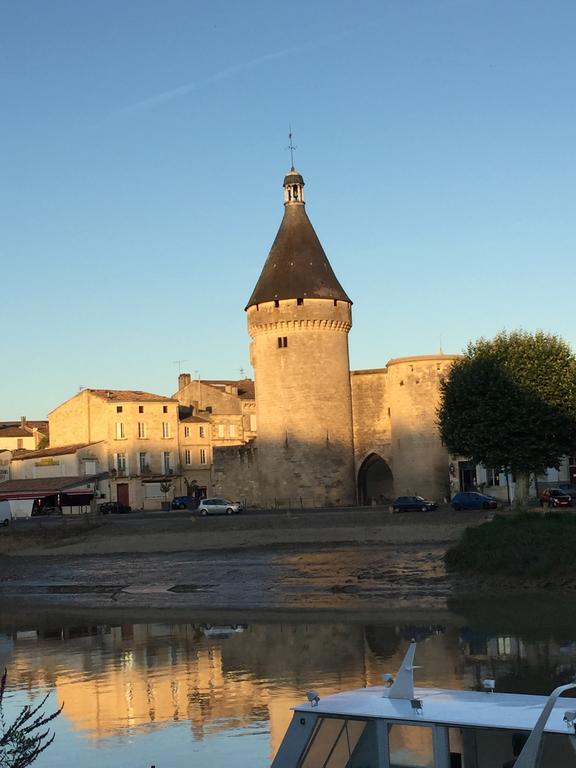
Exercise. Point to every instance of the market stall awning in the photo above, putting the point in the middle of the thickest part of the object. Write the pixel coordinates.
(41, 487)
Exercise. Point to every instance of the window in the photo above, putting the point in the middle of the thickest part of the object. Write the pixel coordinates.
(220, 430)
(187, 457)
(504, 645)
(142, 429)
(140, 409)
(186, 431)
(299, 302)
(339, 742)
(276, 304)
(410, 745)
(120, 434)
(118, 409)
(143, 463)
(202, 456)
(201, 432)
(121, 463)
(166, 462)
(164, 409)
(492, 476)
(232, 430)
(282, 342)
(165, 429)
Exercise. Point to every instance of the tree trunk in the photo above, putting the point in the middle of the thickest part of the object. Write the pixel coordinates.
(521, 489)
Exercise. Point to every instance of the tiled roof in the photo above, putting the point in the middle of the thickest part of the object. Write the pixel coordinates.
(62, 450)
(14, 432)
(194, 420)
(129, 396)
(245, 386)
(42, 426)
(297, 266)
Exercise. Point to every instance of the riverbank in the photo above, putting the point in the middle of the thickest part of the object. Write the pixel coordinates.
(306, 564)
(183, 532)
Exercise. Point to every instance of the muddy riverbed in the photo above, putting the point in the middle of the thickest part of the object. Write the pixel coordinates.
(356, 561)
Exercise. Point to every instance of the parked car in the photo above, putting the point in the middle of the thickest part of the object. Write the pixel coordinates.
(182, 502)
(412, 504)
(5, 513)
(569, 490)
(219, 507)
(473, 500)
(113, 508)
(555, 497)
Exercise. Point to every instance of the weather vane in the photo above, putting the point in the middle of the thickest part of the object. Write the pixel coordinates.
(291, 146)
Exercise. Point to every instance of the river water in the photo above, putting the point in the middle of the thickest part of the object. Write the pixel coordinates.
(219, 695)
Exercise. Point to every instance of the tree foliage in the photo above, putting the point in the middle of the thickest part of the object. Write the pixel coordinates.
(510, 402)
(27, 737)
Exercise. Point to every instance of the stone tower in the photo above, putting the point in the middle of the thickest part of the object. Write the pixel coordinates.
(298, 318)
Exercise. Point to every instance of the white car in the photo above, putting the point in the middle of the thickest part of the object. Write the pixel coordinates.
(219, 507)
(5, 513)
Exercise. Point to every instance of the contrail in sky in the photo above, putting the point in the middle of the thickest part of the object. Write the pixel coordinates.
(224, 74)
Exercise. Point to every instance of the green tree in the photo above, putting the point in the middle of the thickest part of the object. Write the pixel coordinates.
(510, 403)
(27, 737)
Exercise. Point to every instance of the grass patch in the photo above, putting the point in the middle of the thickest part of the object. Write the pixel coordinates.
(527, 544)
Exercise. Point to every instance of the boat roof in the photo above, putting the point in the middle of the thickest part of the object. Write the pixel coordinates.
(475, 709)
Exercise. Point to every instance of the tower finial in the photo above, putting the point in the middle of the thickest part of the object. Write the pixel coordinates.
(291, 146)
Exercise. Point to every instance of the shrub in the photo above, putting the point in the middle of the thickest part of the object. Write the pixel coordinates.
(526, 544)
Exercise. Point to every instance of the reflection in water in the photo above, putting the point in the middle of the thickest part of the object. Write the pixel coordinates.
(166, 694)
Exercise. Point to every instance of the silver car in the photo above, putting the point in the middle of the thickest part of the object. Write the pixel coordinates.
(219, 507)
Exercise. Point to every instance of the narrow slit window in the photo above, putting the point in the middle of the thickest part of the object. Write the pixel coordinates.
(282, 342)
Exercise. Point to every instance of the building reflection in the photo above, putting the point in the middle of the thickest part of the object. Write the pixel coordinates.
(115, 680)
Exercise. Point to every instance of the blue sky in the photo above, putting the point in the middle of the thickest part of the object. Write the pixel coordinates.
(144, 145)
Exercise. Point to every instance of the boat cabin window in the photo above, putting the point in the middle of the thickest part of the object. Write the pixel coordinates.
(486, 748)
(341, 743)
(410, 746)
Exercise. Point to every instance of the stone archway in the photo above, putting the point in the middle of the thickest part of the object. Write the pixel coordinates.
(375, 480)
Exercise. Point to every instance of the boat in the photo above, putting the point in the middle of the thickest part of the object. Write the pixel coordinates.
(398, 725)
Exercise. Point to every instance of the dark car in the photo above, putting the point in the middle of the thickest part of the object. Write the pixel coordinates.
(473, 500)
(182, 502)
(113, 508)
(555, 497)
(412, 504)
(569, 490)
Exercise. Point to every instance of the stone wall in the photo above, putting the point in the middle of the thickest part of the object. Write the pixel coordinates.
(235, 473)
(371, 414)
(299, 353)
(420, 461)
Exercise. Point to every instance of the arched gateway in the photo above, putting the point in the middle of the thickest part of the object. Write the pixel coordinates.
(375, 480)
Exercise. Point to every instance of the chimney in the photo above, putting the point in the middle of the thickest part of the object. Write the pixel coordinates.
(23, 422)
(183, 380)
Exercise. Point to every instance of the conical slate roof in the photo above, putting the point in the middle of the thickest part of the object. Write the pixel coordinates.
(296, 267)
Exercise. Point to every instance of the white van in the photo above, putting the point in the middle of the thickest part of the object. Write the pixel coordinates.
(5, 513)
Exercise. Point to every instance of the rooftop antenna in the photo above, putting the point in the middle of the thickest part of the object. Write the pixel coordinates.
(291, 146)
(179, 364)
(242, 373)
(441, 352)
